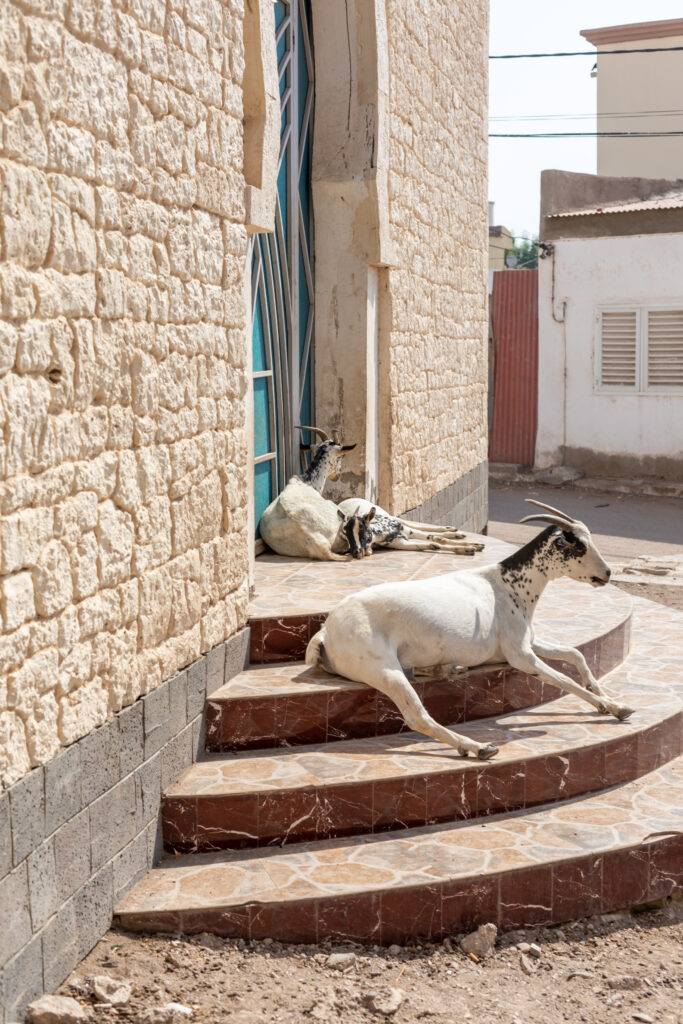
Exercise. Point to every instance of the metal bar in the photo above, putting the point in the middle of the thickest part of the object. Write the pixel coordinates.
(292, 157)
(280, 384)
(270, 349)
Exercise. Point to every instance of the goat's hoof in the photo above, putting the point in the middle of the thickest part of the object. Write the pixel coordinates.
(622, 713)
(487, 752)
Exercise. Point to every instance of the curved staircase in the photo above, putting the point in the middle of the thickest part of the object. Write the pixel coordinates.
(316, 815)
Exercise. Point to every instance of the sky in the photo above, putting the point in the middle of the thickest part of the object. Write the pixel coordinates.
(541, 87)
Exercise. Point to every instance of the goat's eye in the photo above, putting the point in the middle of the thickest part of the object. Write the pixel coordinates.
(561, 543)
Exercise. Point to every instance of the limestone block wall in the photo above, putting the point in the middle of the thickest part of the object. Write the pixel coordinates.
(433, 384)
(123, 456)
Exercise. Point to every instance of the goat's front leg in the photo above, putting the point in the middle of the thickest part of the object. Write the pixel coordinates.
(321, 549)
(394, 683)
(526, 660)
(557, 652)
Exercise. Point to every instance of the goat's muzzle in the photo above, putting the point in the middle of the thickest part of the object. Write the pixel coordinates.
(601, 581)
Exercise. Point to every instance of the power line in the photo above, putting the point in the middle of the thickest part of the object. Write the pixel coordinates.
(583, 53)
(583, 135)
(585, 117)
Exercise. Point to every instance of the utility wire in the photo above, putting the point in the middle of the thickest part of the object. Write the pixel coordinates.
(583, 53)
(583, 135)
(586, 117)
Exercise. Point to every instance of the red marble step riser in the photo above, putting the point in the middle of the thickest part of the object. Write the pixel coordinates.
(262, 723)
(373, 806)
(274, 641)
(530, 897)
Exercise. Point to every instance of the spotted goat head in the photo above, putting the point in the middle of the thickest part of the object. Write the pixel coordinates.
(571, 546)
(357, 532)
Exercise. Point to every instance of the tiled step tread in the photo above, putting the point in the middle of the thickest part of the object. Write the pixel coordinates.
(297, 587)
(548, 752)
(616, 848)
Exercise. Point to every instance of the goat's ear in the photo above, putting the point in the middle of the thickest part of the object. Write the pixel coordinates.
(347, 447)
(370, 515)
(341, 514)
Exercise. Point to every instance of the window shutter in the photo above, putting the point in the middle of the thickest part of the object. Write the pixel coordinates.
(665, 348)
(619, 349)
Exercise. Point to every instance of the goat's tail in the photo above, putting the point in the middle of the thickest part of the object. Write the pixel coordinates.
(316, 653)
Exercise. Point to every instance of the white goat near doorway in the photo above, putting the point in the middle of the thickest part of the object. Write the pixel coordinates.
(387, 531)
(466, 619)
(303, 524)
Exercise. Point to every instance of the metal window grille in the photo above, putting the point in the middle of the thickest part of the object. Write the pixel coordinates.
(282, 275)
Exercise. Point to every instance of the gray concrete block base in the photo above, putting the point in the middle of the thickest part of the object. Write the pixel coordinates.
(78, 833)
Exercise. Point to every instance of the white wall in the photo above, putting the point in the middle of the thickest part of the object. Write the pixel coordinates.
(589, 273)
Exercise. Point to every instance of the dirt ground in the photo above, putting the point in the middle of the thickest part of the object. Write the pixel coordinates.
(614, 968)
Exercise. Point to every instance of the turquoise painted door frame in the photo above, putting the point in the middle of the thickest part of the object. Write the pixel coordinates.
(282, 273)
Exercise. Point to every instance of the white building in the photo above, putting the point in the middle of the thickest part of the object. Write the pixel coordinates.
(611, 325)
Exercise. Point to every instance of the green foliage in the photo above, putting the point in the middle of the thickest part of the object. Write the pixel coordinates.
(526, 251)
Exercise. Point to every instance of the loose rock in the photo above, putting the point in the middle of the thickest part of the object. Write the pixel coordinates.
(643, 1017)
(114, 991)
(535, 951)
(527, 965)
(482, 942)
(55, 1010)
(170, 1013)
(210, 941)
(341, 961)
(625, 982)
(384, 1000)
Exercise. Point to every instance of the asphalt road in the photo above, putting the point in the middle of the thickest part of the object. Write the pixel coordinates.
(623, 526)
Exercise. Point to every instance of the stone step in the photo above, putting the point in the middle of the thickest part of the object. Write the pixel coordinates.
(288, 704)
(614, 849)
(549, 752)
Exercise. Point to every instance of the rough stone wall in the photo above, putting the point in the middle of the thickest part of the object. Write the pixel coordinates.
(123, 504)
(436, 352)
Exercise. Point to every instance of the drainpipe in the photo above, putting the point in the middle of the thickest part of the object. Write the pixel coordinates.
(549, 250)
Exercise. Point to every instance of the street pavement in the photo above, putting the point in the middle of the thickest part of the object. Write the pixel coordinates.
(623, 526)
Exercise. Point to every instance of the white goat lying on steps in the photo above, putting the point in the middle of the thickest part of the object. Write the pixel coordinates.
(466, 618)
(387, 531)
(300, 522)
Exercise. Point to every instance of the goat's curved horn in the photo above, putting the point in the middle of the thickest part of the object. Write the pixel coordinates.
(314, 430)
(549, 508)
(555, 520)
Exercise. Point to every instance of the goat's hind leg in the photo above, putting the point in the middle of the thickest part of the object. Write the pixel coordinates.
(443, 531)
(394, 683)
(424, 544)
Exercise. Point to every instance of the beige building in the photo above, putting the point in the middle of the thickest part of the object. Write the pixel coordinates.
(218, 219)
(640, 92)
(501, 242)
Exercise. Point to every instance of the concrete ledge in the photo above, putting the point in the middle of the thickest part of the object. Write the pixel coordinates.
(464, 503)
(77, 833)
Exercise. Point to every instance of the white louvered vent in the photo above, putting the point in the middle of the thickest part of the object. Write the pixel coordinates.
(619, 349)
(665, 348)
